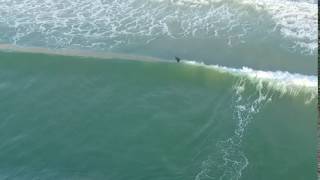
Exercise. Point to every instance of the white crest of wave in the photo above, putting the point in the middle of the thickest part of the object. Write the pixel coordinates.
(284, 82)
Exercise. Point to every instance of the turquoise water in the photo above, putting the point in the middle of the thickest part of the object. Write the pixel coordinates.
(82, 118)
(90, 89)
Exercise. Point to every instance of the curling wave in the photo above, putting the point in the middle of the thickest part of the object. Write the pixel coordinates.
(284, 82)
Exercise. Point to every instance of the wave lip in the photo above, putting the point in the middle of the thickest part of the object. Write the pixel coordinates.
(285, 82)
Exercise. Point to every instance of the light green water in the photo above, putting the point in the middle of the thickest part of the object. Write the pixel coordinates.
(82, 118)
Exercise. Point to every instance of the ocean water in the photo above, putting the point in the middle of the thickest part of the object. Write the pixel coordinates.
(90, 89)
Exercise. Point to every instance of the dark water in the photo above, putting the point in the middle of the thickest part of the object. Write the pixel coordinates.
(83, 118)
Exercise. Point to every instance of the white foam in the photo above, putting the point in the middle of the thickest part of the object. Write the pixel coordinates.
(108, 24)
(285, 82)
(296, 19)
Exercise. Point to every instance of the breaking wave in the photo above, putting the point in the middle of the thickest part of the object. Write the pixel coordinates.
(284, 82)
(281, 81)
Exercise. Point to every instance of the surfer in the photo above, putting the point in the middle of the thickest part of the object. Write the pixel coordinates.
(177, 59)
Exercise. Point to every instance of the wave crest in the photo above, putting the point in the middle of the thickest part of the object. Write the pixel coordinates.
(284, 82)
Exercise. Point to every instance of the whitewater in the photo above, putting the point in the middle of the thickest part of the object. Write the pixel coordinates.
(111, 24)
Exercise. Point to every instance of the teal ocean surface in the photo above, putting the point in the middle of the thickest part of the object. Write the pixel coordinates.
(90, 90)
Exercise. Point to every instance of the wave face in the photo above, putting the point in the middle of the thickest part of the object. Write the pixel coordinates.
(124, 24)
(68, 117)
